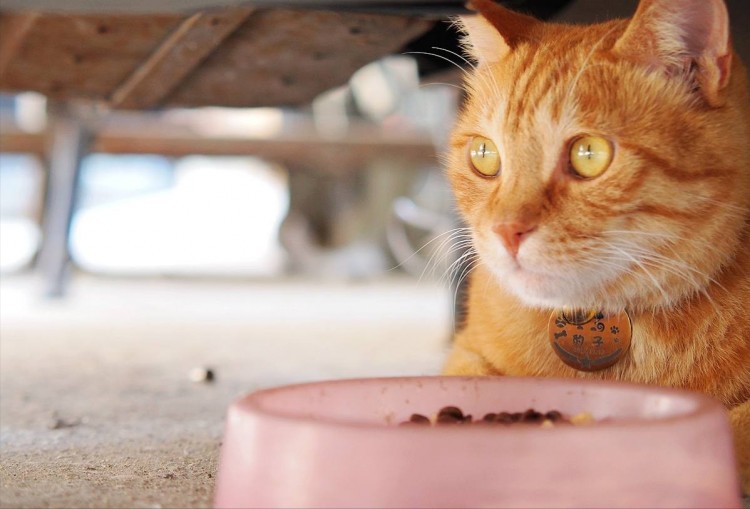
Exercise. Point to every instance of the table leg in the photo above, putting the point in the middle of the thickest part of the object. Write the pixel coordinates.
(69, 143)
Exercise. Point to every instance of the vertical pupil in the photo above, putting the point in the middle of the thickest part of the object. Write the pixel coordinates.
(482, 150)
(585, 151)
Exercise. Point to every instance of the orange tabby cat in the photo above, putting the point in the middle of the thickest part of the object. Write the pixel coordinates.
(607, 167)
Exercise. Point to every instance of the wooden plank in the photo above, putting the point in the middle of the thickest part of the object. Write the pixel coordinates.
(13, 32)
(180, 53)
(18, 141)
(287, 57)
(84, 57)
(276, 57)
(337, 156)
(435, 8)
(333, 156)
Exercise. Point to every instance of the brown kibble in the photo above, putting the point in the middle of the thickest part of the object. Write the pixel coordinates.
(452, 411)
(504, 418)
(451, 415)
(419, 419)
(202, 375)
(448, 419)
(532, 415)
(553, 415)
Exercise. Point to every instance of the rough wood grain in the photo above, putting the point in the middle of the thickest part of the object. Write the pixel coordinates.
(65, 56)
(287, 57)
(181, 52)
(13, 31)
(276, 57)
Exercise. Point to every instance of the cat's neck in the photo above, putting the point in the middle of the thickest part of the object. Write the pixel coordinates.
(726, 294)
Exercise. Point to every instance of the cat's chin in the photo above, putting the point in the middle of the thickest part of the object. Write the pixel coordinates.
(542, 290)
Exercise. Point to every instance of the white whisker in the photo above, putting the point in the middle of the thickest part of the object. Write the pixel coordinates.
(441, 57)
(449, 233)
(433, 83)
(457, 240)
(452, 271)
(469, 63)
(645, 270)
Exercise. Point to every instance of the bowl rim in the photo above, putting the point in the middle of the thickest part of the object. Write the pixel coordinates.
(700, 405)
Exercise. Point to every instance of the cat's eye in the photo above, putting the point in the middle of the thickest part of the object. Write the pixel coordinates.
(590, 156)
(484, 157)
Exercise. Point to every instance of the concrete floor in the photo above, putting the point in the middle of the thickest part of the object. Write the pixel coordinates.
(97, 408)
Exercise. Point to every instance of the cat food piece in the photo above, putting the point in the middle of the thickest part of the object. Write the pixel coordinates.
(553, 415)
(451, 415)
(202, 374)
(419, 419)
(582, 418)
(489, 417)
(532, 415)
(506, 418)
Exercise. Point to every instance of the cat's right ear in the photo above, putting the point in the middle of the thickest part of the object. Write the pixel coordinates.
(685, 37)
(494, 32)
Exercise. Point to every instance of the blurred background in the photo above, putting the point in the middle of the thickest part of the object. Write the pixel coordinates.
(205, 197)
(142, 140)
(228, 192)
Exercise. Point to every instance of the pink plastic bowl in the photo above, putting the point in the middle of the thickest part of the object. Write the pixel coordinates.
(338, 444)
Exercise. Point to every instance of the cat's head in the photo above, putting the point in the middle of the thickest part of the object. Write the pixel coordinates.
(607, 165)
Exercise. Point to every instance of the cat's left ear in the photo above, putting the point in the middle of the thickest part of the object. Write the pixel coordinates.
(494, 32)
(688, 38)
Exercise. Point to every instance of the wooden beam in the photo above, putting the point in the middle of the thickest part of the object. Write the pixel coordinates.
(12, 140)
(180, 53)
(324, 155)
(13, 31)
(338, 156)
(80, 57)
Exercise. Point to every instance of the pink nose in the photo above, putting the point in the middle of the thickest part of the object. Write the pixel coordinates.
(512, 234)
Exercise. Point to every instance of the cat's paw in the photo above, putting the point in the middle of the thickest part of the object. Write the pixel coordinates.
(464, 362)
(740, 419)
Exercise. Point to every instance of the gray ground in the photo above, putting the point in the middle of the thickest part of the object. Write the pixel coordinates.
(96, 405)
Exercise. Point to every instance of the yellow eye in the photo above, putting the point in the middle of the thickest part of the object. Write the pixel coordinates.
(590, 156)
(484, 157)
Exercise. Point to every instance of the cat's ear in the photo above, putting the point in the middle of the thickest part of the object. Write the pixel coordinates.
(687, 38)
(494, 32)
